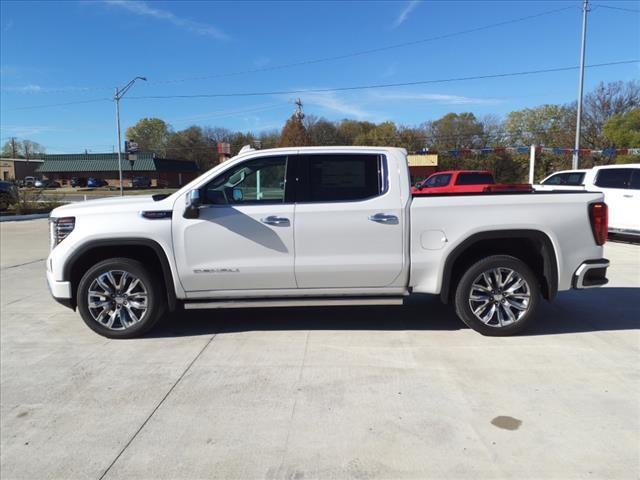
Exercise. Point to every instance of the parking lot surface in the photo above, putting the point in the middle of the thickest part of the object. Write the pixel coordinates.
(363, 393)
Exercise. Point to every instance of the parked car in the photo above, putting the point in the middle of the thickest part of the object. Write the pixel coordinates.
(8, 195)
(96, 182)
(45, 183)
(620, 185)
(28, 182)
(79, 182)
(141, 182)
(360, 239)
(455, 181)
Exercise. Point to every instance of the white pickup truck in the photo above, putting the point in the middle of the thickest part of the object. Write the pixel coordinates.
(321, 226)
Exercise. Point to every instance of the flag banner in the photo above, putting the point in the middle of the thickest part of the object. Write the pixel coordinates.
(583, 152)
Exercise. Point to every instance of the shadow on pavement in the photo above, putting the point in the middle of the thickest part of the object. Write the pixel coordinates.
(571, 312)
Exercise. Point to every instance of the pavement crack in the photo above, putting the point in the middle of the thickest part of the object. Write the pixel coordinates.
(23, 264)
(166, 395)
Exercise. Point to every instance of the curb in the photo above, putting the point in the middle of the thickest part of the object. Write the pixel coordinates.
(19, 218)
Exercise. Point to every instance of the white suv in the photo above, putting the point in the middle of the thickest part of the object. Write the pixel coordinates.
(620, 185)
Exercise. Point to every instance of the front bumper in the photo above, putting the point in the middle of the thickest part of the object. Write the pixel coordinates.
(591, 274)
(59, 290)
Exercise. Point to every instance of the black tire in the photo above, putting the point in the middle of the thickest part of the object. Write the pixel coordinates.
(495, 327)
(4, 202)
(155, 302)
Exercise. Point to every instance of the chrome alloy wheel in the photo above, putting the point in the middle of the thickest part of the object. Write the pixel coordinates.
(117, 300)
(499, 297)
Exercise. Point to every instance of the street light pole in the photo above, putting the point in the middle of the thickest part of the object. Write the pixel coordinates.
(119, 94)
(576, 150)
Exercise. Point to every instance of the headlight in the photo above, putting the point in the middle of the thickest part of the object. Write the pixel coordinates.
(60, 228)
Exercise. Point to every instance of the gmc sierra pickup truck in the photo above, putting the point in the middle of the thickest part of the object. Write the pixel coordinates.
(321, 226)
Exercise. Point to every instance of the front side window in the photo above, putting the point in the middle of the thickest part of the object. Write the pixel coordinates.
(613, 177)
(438, 180)
(557, 179)
(340, 177)
(255, 181)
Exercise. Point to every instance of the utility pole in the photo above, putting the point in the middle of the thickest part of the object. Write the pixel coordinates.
(119, 94)
(576, 150)
(14, 150)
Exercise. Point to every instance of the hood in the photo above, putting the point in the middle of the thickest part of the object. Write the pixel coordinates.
(110, 205)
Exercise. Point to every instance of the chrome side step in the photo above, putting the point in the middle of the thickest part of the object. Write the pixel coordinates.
(294, 302)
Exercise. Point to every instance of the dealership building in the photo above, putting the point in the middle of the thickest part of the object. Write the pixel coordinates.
(163, 172)
(18, 168)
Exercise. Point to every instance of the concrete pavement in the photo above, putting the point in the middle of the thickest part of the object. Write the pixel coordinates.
(362, 393)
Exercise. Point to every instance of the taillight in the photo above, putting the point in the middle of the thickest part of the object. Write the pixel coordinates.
(599, 216)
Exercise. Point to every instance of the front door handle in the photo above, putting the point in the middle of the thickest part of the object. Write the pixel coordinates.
(276, 221)
(384, 218)
(627, 196)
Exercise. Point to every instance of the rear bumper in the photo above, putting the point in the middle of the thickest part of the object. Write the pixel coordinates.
(591, 274)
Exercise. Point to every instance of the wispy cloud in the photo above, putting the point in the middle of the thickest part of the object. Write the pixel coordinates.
(404, 14)
(35, 88)
(331, 101)
(440, 98)
(26, 130)
(144, 9)
(261, 62)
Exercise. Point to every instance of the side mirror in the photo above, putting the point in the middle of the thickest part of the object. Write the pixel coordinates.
(193, 204)
(237, 195)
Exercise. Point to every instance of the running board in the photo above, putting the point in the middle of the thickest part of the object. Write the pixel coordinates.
(294, 302)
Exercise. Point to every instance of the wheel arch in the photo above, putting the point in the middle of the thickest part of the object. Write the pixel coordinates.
(533, 247)
(146, 250)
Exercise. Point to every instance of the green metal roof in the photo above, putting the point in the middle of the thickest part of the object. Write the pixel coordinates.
(108, 162)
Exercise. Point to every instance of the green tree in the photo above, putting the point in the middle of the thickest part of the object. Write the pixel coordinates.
(294, 134)
(603, 102)
(15, 148)
(455, 131)
(547, 125)
(191, 144)
(624, 130)
(321, 131)
(349, 130)
(151, 135)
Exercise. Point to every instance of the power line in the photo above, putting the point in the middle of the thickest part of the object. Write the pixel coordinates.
(322, 59)
(375, 86)
(598, 5)
(368, 51)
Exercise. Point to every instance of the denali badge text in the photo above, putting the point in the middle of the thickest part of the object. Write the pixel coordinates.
(216, 270)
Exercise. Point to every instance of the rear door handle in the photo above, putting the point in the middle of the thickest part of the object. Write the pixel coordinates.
(627, 196)
(384, 218)
(276, 221)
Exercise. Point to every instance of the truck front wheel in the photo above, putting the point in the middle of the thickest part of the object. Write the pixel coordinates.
(497, 296)
(120, 298)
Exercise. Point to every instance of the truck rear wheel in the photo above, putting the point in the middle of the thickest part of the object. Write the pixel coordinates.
(120, 298)
(497, 296)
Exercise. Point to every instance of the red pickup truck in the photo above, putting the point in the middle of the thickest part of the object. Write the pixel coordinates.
(464, 181)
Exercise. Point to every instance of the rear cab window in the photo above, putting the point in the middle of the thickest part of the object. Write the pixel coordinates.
(474, 178)
(340, 177)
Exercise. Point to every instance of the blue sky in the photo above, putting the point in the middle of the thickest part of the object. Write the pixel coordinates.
(60, 52)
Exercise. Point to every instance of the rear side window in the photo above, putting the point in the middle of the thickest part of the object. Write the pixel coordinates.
(614, 178)
(340, 177)
(635, 179)
(438, 180)
(474, 179)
